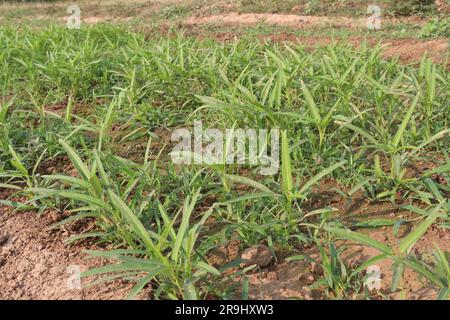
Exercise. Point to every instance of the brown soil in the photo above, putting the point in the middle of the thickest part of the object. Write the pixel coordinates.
(59, 109)
(34, 262)
(413, 50)
(287, 20)
(290, 20)
(291, 279)
(284, 279)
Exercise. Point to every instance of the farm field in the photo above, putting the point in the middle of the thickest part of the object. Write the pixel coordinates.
(241, 149)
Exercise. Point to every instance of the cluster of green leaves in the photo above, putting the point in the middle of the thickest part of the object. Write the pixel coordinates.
(170, 255)
(438, 273)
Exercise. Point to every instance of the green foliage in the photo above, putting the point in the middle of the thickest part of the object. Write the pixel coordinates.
(267, 6)
(438, 27)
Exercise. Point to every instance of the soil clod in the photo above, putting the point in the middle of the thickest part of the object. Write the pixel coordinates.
(4, 239)
(259, 255)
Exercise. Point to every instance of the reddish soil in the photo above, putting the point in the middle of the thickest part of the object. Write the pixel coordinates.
(34, 262)
(413, 286)
(290, 20)
(290, 279)
(284, 279)
(409, 50)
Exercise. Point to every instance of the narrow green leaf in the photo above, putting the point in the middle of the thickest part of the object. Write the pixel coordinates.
(320, 175)
(135, 223)
(76, 160)
(410, 240)
(249, 182)
(208, 268)
(399, 268)
(311, 104)
(286, 168)
(360, 239)
(399, 134)
(187, 211)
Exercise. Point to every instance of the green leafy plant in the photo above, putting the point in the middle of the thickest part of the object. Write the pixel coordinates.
(169, 260)
(400, 255)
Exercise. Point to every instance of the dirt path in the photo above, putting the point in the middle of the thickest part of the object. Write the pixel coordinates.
(291, 20)
(287, 20)
(36, 264)
(291, 279)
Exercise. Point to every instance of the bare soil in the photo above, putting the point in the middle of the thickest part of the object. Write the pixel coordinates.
(290, 20)
(36, 264)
